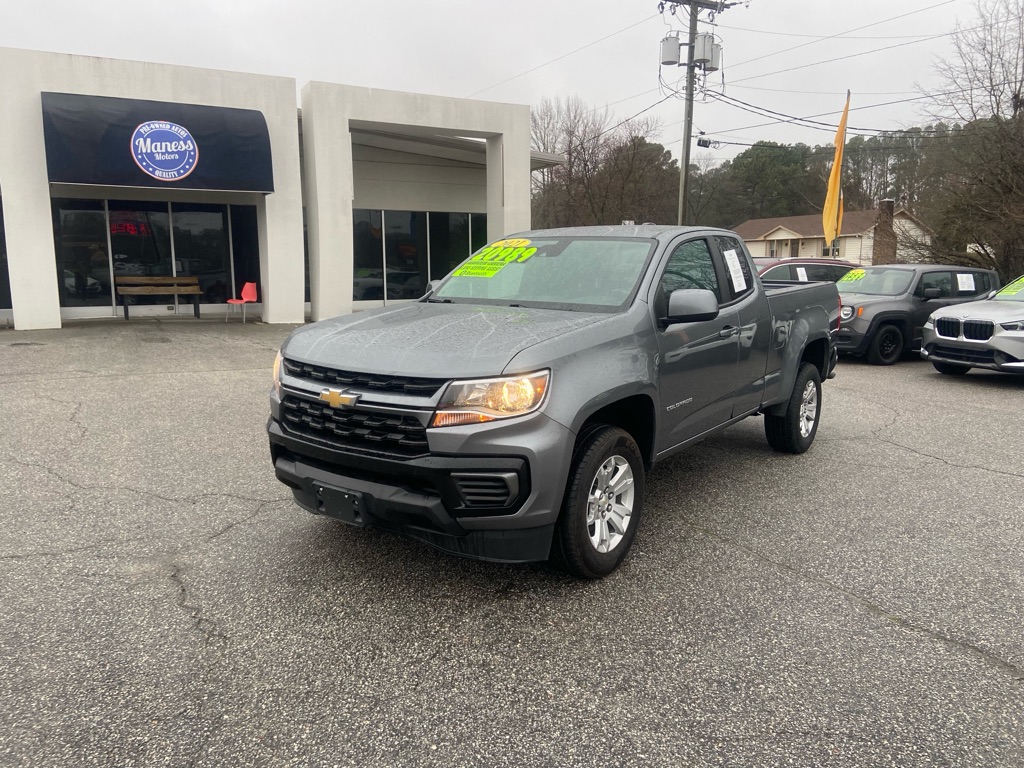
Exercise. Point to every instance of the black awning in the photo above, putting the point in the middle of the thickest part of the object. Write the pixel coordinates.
(135, 143)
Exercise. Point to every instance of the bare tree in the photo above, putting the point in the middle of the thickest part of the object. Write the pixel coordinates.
(601, 165)
(982, 192)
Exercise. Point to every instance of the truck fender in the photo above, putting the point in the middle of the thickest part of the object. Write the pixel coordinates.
(804, 331)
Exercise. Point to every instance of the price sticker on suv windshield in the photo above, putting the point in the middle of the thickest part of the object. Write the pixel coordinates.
(495, 257)
(852, 275)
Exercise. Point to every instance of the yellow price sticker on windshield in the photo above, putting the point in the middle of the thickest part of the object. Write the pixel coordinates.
(853, 274)
(1013, 288)
(492, 259)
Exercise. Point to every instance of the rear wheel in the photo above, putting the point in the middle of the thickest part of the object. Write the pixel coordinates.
(794, 431)
(886, 346)
(602, 506)
(951, 369)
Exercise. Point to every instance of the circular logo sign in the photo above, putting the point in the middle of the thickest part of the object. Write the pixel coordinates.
(165, 151)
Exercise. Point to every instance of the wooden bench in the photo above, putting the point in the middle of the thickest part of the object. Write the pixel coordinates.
(187, 285)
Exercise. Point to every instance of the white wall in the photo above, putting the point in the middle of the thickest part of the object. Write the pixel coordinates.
(332, 186)
(24, 184)
(401, 181)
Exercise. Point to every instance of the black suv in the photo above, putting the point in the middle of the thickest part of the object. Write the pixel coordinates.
(885, 307)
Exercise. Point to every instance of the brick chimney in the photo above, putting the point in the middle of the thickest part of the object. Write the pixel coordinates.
(883, 250)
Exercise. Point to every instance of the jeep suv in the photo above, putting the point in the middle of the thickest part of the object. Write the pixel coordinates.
(885, 307)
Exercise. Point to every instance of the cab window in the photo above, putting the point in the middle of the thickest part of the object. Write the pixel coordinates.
(941, 280)
(737, 267)
(780, 272)
(972, 283)
(690, 266)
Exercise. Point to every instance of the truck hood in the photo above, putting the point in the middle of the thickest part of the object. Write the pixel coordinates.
(431, 340)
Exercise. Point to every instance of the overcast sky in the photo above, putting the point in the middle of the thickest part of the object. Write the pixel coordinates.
(778, 54)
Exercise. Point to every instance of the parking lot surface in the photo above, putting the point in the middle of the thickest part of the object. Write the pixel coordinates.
(164, 603)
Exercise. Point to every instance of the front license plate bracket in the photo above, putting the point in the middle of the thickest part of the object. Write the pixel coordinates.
(339, 503)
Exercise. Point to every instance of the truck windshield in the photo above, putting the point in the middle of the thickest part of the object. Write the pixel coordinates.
(594, 274)
(876, 281)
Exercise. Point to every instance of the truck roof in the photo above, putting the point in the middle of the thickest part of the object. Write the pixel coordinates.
(647, 231)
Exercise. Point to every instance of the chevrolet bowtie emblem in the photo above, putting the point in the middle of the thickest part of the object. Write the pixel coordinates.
(338, 399)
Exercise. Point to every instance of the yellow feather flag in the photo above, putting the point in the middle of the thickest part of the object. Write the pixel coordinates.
(832, 213)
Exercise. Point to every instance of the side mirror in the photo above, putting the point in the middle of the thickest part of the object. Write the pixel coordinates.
(932, 293)
(690, 305)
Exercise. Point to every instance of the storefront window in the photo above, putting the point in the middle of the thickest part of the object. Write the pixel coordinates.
(478, 230)
(405, 243)
(449, 242)
(5, 277)
(245, 243)
(80, 241)
(140, 239)
(201, 248)
(368, 256)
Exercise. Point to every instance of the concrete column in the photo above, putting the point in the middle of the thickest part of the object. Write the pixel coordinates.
(329, 191)
(32, 263)
(508, 185)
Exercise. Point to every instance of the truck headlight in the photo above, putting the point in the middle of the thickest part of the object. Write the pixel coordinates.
(1013, 325)
(846, 313)
(277, 373)
(480, 400)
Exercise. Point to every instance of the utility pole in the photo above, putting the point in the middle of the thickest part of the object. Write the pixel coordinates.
(694, 7)
(691, 77)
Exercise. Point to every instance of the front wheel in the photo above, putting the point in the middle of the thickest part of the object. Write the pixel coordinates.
(794, 431)
(886, 346)
(951, 369)
(602, 506)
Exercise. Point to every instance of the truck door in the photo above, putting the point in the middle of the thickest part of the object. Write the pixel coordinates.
(697, 373)
(754, 316)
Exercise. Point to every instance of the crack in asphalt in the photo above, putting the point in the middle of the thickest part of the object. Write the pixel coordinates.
(242, 521)
(211, 631)
(128, 489)
(73, 421)
(950, 463)
(72, 550)
(1008, 667)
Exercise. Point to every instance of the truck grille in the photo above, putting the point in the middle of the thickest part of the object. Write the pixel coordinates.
(978, 330)
(352, 429)
(964, 355)
(374, 382)
(948, 327)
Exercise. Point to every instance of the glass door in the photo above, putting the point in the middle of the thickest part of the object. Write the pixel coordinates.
(140, 246)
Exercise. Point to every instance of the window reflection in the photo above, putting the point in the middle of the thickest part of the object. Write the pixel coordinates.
(405, 242)
(5, 278)
(80, 242)
(201, 248)
(140, 239)
(449, 242)
(478, 228)
(368, 256)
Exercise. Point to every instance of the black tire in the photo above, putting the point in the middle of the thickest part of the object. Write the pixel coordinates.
(886, 346)
(950, 369)
(794, 431)
(574, 547)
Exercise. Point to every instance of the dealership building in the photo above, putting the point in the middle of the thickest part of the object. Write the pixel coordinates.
(113, 168)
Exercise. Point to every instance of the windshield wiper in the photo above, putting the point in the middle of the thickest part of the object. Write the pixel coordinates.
(440, 301)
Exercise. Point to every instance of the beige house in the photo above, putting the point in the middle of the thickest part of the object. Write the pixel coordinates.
(863, 233)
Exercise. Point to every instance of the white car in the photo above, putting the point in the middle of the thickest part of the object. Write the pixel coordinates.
(978, 334)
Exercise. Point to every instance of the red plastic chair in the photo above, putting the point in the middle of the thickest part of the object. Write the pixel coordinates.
(248, 297)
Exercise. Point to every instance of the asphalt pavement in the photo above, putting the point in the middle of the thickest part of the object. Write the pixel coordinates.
(163, 602)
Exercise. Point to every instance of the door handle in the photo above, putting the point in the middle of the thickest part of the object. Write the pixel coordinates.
(728, 331)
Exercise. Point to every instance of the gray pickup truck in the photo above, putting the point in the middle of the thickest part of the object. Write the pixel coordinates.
(512, 412)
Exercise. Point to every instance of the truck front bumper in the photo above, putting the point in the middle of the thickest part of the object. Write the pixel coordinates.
(490, 492)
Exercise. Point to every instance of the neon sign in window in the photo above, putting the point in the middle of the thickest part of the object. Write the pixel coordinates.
(130, 228)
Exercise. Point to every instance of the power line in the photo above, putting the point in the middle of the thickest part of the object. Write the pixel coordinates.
(857, 29)
(564, 55)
